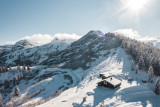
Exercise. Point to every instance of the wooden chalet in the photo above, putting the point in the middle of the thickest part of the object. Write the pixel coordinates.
(110, 82)
(104, 76)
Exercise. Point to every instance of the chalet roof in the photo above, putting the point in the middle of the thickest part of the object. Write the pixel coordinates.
(113, 81)
(105, 74)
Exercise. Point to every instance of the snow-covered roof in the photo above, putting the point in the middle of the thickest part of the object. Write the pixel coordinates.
(105, 74)
(113, 81)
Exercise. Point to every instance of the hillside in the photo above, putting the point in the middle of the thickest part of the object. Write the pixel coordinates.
(133, 93)
(25, 52)
(64, 71)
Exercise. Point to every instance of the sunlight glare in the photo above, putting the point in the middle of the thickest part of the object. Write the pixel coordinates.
(136, 5)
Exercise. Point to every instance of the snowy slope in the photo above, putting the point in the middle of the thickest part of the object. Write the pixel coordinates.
(27, 51)
(23, 44)
(5, 47)
(153, 41)
(80, 53)
(66, 66)
(131, 93)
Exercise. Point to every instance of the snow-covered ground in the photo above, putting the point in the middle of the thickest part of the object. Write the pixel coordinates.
(48, 80)
(133, 93)
(153, 41)
(30, 50)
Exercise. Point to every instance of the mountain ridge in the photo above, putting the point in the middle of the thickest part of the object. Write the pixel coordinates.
(66, 72)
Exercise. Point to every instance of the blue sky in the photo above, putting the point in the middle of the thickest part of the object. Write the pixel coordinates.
(19, 18)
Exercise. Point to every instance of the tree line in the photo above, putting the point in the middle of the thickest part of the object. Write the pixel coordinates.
(146, 56)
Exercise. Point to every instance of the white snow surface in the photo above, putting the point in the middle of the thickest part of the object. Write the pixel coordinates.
(133, 93)
(113, 81)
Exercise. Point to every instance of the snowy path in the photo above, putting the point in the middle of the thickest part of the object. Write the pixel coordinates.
(76, 78)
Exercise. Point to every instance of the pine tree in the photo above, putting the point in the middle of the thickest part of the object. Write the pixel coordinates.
(19, 77)
(137, 69)
(28, 67)
(157, 88)
(24, 68)
(132, 65)
(16, 91)
(141, 63)
(21, 69)
(4, 70)
(0, 99)
(18, 68)
(1, 70)
(15, 80)
(10, 68)
(30, 72)
(151, 74)
(6, 84)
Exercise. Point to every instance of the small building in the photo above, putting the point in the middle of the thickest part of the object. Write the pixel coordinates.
(110, 82)
(101, 75)
(104, 76)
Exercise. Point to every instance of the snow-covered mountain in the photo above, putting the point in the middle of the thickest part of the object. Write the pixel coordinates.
(24, 52)
(153, 41)
(80, 54)
(5, 48)
(65, 71)
(117, 64)
(23, 44)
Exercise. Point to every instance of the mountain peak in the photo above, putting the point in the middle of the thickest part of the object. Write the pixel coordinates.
(23, 44)
(88, 38)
